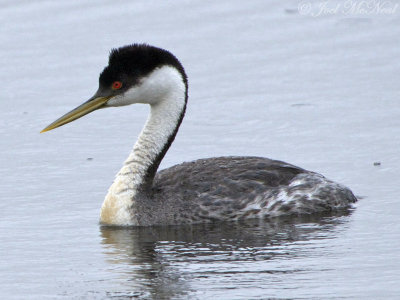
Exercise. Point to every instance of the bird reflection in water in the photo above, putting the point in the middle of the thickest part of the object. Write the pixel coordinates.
(163, 261)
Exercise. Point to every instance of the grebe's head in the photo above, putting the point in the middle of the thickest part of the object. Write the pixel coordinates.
(137, 73)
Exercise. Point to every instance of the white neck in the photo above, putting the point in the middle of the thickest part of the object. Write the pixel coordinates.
(139, 169)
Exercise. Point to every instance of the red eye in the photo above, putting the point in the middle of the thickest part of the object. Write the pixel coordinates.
(116, 85)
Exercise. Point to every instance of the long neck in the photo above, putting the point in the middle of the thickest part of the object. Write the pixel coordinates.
(154, 141)
(122, 205)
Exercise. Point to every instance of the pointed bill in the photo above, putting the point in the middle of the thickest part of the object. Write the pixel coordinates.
(83, 109)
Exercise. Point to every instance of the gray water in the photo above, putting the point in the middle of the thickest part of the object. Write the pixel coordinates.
(316, 89)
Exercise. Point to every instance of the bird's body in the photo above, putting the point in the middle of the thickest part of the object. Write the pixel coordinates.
(234, 188)
(222, 188)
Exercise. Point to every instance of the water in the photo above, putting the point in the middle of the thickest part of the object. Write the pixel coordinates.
(319, 91)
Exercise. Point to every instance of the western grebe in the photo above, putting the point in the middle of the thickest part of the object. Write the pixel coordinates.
(220, 188)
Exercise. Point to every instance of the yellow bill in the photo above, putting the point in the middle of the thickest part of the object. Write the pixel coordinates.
(87, 107)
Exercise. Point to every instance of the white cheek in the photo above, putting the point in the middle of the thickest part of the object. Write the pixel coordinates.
(122, 100)
(151, 89)
(142, 93)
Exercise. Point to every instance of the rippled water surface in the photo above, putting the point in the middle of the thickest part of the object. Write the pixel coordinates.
(319, 89)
